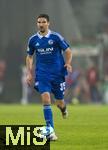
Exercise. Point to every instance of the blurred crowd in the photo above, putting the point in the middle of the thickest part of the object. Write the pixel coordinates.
(85, 86)
(82, 87)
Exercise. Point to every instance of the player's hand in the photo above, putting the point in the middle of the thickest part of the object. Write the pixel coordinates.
(29, 79)
(69, 67)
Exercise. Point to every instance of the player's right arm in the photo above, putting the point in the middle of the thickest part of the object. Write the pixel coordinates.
(29, 62)
(29, 66)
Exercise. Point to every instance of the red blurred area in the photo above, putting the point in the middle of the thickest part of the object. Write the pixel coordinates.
(2, 69)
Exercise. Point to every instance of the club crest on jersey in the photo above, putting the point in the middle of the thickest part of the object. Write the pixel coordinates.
(50, 42)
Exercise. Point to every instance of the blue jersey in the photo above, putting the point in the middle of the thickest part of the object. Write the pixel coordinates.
(49, 54)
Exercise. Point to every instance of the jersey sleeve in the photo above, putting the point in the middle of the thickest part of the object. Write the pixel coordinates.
(30, 48)
(62, 43)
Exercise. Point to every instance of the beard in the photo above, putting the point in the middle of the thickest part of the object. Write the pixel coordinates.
(42, 30)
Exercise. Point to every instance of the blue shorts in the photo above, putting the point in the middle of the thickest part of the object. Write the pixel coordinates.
(57, 87)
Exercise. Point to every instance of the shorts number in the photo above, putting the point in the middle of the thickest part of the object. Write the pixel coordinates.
(62, 86)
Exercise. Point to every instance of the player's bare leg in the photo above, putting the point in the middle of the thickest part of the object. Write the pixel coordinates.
(46, 100)
(62, 106)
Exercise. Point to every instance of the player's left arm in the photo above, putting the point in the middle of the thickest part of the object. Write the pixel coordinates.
(68, 52)
(68, 59)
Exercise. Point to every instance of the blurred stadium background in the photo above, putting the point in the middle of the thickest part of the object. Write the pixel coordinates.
(84, 23)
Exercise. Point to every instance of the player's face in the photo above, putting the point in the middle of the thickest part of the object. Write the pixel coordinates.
(42, 24)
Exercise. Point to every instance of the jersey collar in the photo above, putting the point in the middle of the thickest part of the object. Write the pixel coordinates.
(47, 35)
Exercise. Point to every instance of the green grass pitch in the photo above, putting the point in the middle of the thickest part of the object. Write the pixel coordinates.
(85, 129)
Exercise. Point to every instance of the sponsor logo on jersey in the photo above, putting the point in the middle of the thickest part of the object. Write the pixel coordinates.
(45, 51)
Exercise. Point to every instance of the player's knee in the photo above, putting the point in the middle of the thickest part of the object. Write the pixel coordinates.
(46, 98)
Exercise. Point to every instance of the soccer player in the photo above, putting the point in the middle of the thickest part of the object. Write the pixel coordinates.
(50, 68)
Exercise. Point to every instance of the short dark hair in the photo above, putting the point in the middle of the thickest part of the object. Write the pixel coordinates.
(44, 16)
